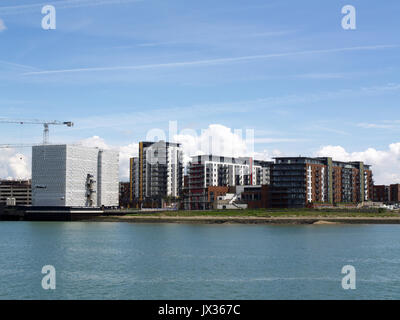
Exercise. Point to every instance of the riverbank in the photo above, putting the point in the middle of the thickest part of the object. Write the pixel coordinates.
(247, 220)
(259, 217)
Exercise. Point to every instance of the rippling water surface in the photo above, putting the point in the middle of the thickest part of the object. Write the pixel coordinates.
(178, 261)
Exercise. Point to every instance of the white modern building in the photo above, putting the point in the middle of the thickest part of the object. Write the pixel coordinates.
(74, 176)
(214, 171)
(210, 170)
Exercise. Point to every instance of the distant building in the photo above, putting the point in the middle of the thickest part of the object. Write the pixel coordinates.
(288, 182)
(387, 194)
(214, 171)
(208, 198)
(15, 192)
(394, 193)
(299, 181)
(124, 194)
(157, 173)
(74, 176)
(229, 201)
(381, 193)
(256, 197)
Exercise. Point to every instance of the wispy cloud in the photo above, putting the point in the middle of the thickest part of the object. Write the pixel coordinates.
(212, 61)
(2, 25)
(321, 76)
(17, 65)
(64, 4)
(156, 44)
(386, 124)
(278, 140)
(159, 115)
(324, 127)
(272, 33)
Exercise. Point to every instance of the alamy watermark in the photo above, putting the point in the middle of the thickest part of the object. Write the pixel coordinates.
(49, 20)
(49, 280)
(215, 140)
(349, 21)
(349, 280)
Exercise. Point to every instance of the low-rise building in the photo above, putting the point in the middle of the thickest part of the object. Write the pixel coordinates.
(387, 194)
(394, 193)
(381, 193)
(15, 192)
(229, 201)
(256, 197)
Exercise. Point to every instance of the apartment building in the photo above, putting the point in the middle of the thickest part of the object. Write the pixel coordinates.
(215, 171)
(157, 173)
(381, 193)
(394, 193)
(15, 192)
(124, 194)
(387, 194)
(298, 181)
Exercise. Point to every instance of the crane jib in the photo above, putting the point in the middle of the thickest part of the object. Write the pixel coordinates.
(45, 124)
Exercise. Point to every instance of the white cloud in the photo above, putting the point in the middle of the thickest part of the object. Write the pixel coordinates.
(2, 25)
(14, 165)
(125, 153)
(94, 142)
(216, 139)
(224, 142)
(387, 124)
(385, 163)
(267, 155)
(278, 140)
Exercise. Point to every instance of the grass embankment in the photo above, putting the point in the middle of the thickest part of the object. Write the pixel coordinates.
(268, 213)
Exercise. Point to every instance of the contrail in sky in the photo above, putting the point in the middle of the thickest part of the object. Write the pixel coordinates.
(211, 61)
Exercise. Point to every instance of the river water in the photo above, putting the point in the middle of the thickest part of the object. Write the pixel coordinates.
(182, 261)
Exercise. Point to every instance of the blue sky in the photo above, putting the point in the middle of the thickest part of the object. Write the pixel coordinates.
(286, 69)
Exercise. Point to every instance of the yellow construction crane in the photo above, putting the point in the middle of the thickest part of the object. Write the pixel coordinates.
(46, 125)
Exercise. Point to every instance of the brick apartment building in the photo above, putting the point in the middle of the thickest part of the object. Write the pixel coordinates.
(299, 181)
(394, 193)
(124, 194)
(293, 182)
(387, 194)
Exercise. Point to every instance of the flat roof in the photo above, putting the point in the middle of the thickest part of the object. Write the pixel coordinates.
(322, 158)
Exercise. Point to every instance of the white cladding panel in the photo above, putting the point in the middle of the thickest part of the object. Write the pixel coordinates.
(48, 175)
(81, 161)
(60, 176)
(108, 178)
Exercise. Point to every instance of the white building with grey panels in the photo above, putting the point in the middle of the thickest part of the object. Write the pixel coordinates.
(74, 176)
